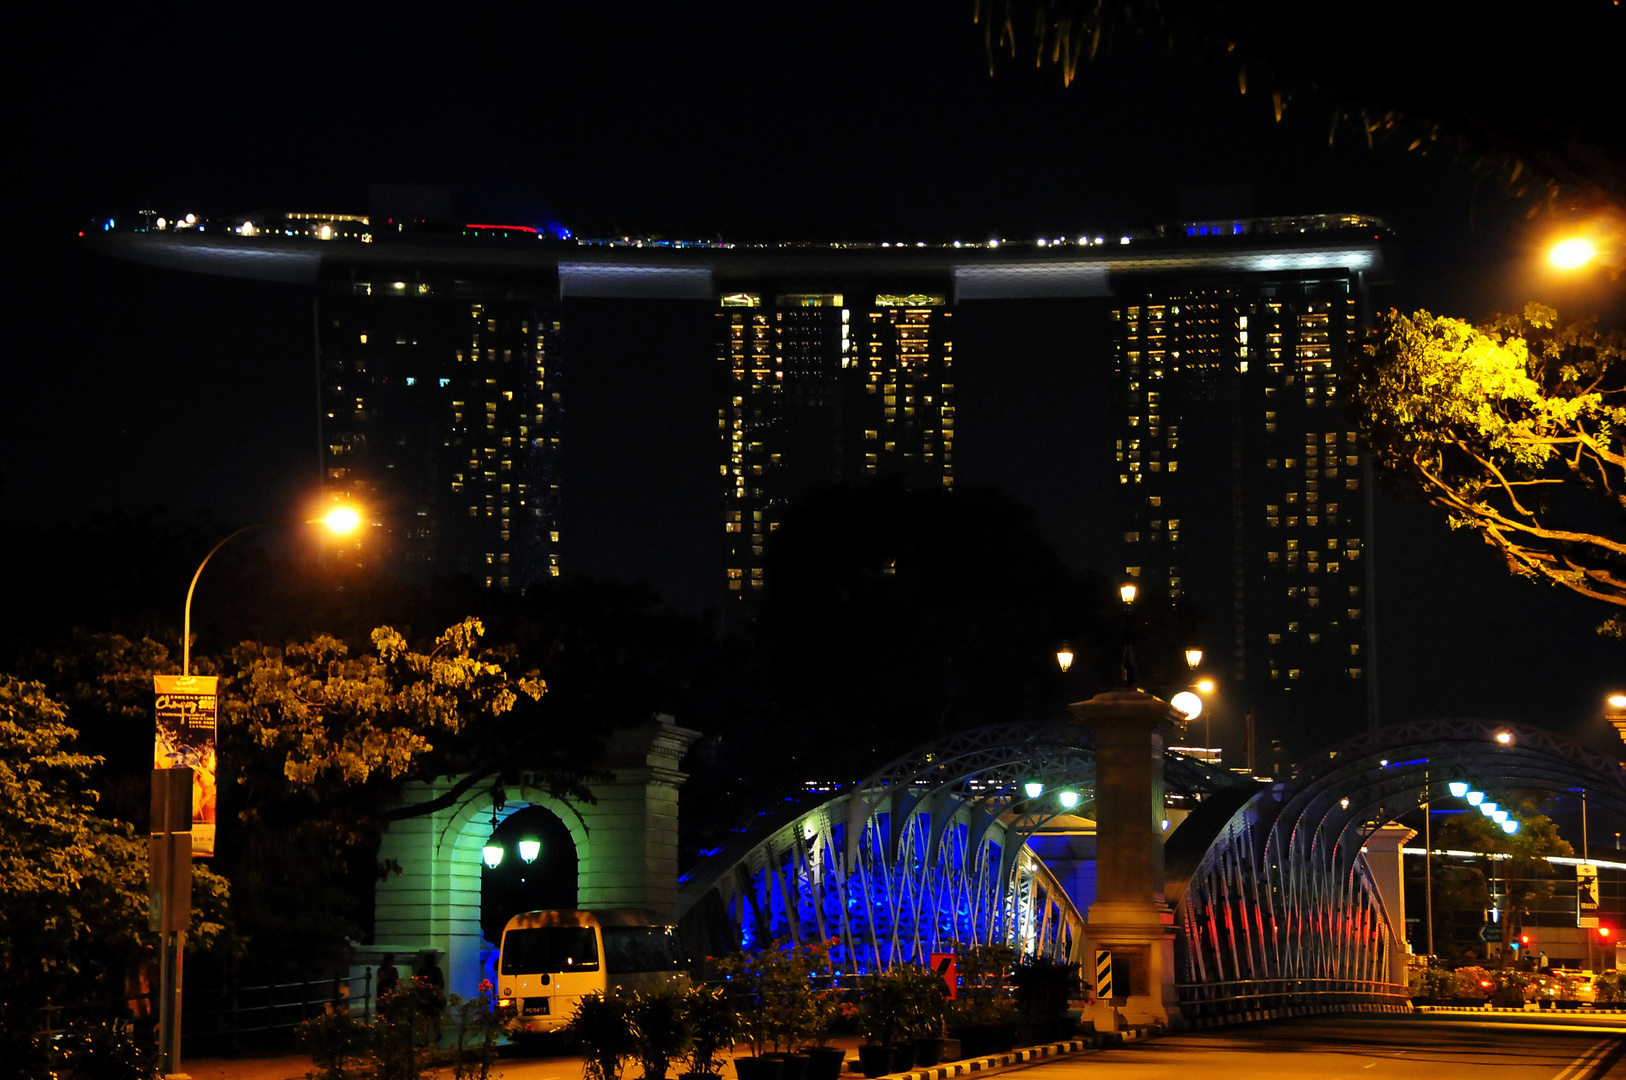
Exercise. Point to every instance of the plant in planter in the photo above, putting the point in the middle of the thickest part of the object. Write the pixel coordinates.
(660, 1030)
(602, 1029)
(712, 1026)
(1043, 989)
(824, 1010)
(984, 1016)
(925, 1001)
(772, 1000)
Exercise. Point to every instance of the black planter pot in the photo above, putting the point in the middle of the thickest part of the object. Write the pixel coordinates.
(928, 1052)
(758, 1068)
(903, 1057)
(794, 1067)
(874, 1060)
(824, 1062)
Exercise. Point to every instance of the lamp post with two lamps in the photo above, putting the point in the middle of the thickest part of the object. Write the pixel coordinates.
(185, 708)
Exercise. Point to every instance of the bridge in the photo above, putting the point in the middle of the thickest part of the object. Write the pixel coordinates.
(1267, 899)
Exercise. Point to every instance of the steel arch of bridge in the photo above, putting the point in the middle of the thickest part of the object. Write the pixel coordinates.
(1275, 910)
(928, 854)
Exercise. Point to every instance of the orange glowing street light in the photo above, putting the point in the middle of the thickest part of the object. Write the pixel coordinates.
(341, 520)
(1572, 253)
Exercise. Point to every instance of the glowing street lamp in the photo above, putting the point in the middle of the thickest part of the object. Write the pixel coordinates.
(1505, 738)
(530, 849)
(1126, 593)
(1194, 656)
(1064, 657)
(1475, 798)
(491, 854)
(1033, 789)
(1068, 799)
(340, 520)
(1488, 809)
(1189, 704)
(1572, 253)
(1458, 788)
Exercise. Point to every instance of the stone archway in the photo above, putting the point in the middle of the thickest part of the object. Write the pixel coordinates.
(626, 850)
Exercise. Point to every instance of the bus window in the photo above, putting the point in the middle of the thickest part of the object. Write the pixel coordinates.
(642, 948)
(549, 949)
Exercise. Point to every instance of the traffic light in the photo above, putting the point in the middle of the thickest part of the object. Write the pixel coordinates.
(1524, 939)
(1604, 931)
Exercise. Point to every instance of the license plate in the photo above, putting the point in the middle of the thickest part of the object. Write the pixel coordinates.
(535, 1007)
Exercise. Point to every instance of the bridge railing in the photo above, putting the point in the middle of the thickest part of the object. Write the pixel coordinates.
(1242, 996)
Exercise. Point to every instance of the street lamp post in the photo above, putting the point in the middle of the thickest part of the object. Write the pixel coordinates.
(169, 850)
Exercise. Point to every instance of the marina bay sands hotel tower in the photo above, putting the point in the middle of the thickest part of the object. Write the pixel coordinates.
(443, 356)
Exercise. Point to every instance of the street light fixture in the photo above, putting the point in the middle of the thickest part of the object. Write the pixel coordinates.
(1194, 656)
(1458, 788)
(530, 849)
(1475, 798)
(1572, 253)
(341, 520)
(1033, 789)
(1064, 657)
(1505, 738)
(1068, 799)
(1189, 704)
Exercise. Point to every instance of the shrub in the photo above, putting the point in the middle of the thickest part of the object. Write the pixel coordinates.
(477, 1026)
(712, 1025)
(334, 1040)
(102, 1051)
(602, 1029)
(660, 1030)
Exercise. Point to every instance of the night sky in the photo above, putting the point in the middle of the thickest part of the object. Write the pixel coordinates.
(134, 387)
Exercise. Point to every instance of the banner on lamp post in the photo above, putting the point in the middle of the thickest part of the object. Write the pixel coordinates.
(186, 710)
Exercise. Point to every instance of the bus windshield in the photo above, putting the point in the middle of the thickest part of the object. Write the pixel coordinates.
(642, 948)
(549, 949)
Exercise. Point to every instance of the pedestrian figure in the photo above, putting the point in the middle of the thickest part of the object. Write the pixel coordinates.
(389, 978)
(430, 972)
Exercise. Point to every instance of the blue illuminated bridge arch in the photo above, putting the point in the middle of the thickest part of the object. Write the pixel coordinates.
(1275, 908)
(926, 855)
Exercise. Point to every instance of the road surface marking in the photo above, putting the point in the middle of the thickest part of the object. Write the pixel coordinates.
(1583, 1064)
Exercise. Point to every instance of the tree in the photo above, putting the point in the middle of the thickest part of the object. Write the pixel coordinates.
(1424, 75)
(1514, 429)
(73, 885)
(1524, 873)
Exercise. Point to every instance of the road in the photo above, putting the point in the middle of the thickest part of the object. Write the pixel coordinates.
(1364, 1048)
(1367, 1048)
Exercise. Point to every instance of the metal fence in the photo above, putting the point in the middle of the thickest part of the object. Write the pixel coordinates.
(224, 1019)
(1247, 996)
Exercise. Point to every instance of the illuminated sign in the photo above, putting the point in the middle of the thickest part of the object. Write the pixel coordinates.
(186, 708)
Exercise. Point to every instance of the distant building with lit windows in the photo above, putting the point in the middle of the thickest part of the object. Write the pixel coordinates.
(823, 391)
(1244, 493)
(441, 400)
(441, 409)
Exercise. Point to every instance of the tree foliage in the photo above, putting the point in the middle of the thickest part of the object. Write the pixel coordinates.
(330, 716)
(1408, 73)
(73, 885)
(1514, 429)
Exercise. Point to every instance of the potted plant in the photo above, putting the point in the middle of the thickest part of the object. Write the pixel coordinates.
(984, 1016)
(824, 1007)
(881, 1011)
(1043, 989)
(711, 1023)
(602, 1029)
(925, 1000)
(659, 1029)
(770, 995)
